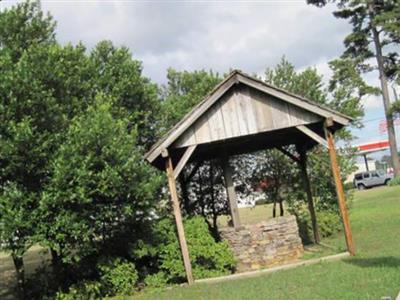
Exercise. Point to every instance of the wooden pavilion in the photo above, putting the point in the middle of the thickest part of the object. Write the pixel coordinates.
(241, 115)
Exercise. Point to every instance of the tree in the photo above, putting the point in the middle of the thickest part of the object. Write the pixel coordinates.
(375, 33)
(101, 190)
(26, 118)
(23, 26)
(43, 86)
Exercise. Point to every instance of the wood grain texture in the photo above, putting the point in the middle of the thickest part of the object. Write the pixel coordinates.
(242, 112)
(230, 191)
(178, 220)
(340, 192)
(241, 116)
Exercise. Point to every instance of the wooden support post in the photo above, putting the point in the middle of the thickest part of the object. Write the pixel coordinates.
(316, 137)
(307, 188)
(340, 192)
(178, 220)
(230, 191)
(184, 159)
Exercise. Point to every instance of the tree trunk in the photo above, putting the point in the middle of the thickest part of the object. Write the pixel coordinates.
(184, 194)
(281, 208)
(385, 95)
(20, 270)
(274, 210)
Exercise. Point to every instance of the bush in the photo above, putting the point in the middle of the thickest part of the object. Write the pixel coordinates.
(329, 223)
(156, 282)
(118, 277)
(87, 290)
(395, 181)
(209, 258)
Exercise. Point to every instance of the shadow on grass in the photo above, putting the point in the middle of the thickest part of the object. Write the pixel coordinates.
(388, 261)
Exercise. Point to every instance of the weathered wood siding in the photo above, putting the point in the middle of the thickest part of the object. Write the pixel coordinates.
(243, 111)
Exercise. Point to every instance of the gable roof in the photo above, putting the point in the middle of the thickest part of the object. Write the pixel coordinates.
(232, 79)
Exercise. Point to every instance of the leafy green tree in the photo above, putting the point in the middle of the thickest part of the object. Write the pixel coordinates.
(101, 189)
(307, 83)
(16, 227)
(43, 86)
(375, 36)
(27, 115)
(25, 25)
(119, 76)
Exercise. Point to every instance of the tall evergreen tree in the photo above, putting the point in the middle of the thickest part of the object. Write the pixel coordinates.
(375, 35)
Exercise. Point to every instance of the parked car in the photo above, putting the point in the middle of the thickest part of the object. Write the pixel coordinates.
(372, 178)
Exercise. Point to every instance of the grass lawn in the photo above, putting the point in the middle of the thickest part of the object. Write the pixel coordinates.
(372, 274)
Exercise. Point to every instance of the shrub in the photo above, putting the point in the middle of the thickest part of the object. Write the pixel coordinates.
(209, 258)
(118, 276)
(328, 223)
(395, 181)
(156, 282)
(87, 290)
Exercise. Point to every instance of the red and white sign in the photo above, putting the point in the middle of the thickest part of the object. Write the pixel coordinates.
(372, 147)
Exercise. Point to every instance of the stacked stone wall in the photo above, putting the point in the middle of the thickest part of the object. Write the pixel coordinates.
(267, 244)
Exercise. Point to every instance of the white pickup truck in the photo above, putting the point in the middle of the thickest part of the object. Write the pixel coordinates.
(372, 178)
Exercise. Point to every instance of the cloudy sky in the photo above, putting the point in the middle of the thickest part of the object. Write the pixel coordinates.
(217, 35)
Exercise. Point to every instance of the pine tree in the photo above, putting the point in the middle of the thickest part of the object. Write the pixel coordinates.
(376, 31)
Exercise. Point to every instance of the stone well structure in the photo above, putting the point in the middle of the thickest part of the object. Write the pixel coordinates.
(266, 244)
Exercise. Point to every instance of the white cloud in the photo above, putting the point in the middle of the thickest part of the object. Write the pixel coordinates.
(211, 35)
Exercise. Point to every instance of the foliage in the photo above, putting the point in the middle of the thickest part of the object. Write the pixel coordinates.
(156, 282)
(23, 26)
(101, 188)
(329, 222)
(395, 181)
(86, 290)
(27, 115)
(209, 258)
(374, 37)
(307, 83)
(118, 277)
(43, 86)
(276, 175)
(395, 108)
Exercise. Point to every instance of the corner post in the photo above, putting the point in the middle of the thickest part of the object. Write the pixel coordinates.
(307, 188)
(230, 191)
(178, 220)
(339, 189)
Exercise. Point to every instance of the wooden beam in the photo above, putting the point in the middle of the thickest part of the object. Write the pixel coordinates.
(307, 188)
(185, 157)
(340, 192)
(178, 220)
(230, 191)
(316, 137)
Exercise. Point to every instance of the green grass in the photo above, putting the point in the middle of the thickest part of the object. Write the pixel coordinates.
(252, 215)
(32, 259)
(372, 274)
